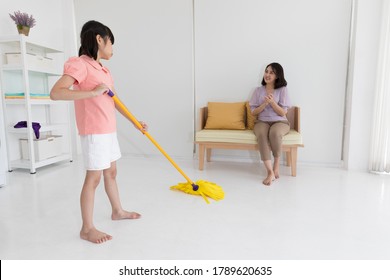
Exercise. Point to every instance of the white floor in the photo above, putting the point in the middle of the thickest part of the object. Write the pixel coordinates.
(323, 213)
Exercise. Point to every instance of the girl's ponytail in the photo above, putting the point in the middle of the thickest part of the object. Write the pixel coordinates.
(89, 45)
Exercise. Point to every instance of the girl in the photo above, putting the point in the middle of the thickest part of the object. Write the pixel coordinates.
(270, 103)
(96, 122)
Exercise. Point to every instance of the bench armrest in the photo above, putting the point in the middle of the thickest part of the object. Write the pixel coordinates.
(202, 118)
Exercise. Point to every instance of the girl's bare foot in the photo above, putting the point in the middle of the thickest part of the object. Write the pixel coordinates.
(125, 215)
(95, 236)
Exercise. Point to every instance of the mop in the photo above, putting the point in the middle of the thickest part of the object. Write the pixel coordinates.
(201, 187)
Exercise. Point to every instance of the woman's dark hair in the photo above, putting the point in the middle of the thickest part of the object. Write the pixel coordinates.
(89, 45)
(278, 70)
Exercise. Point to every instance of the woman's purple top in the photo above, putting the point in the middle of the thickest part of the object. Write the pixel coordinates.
(280, 96)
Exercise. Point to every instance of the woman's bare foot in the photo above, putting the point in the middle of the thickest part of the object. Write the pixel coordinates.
(125, 215)
(276, 172)
(270, 173)
(276, 167)
(268, 181)
(95, 236)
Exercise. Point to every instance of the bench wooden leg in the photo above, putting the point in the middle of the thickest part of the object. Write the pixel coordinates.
(288, 158)
(208, 154)
(201, 156)
(294, 152)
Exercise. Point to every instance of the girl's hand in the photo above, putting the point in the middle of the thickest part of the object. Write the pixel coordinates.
(144, 126)
(100, 89)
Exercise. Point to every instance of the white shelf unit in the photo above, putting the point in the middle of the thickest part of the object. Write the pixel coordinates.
(33, 73)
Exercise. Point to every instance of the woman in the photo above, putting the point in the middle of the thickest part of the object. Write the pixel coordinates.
(270, 103)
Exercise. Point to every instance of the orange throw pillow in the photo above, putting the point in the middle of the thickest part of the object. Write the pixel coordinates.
(250, 119)
(222, 115)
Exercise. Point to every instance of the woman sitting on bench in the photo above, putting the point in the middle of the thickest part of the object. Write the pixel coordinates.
(270, 103)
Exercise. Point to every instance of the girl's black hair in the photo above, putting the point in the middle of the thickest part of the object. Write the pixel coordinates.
(278, 70)
(89, 45)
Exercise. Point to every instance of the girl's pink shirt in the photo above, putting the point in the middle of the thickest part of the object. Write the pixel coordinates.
(94, 115)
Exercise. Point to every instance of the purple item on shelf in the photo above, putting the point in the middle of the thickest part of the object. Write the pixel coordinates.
(36, 126)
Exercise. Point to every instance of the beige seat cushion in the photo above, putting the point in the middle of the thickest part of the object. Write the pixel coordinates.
(227, 136)
(241, 136)
(292, 138)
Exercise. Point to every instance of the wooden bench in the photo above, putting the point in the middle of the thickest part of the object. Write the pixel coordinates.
(209, 139)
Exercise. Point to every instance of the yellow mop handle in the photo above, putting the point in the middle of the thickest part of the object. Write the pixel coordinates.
(139, 125)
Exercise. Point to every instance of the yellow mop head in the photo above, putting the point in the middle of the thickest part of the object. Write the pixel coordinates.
(203, 188)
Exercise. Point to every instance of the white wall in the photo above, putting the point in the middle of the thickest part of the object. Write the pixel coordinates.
(236, 39)
(152, 69)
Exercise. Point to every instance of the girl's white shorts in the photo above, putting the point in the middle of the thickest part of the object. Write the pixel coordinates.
(99, 150)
